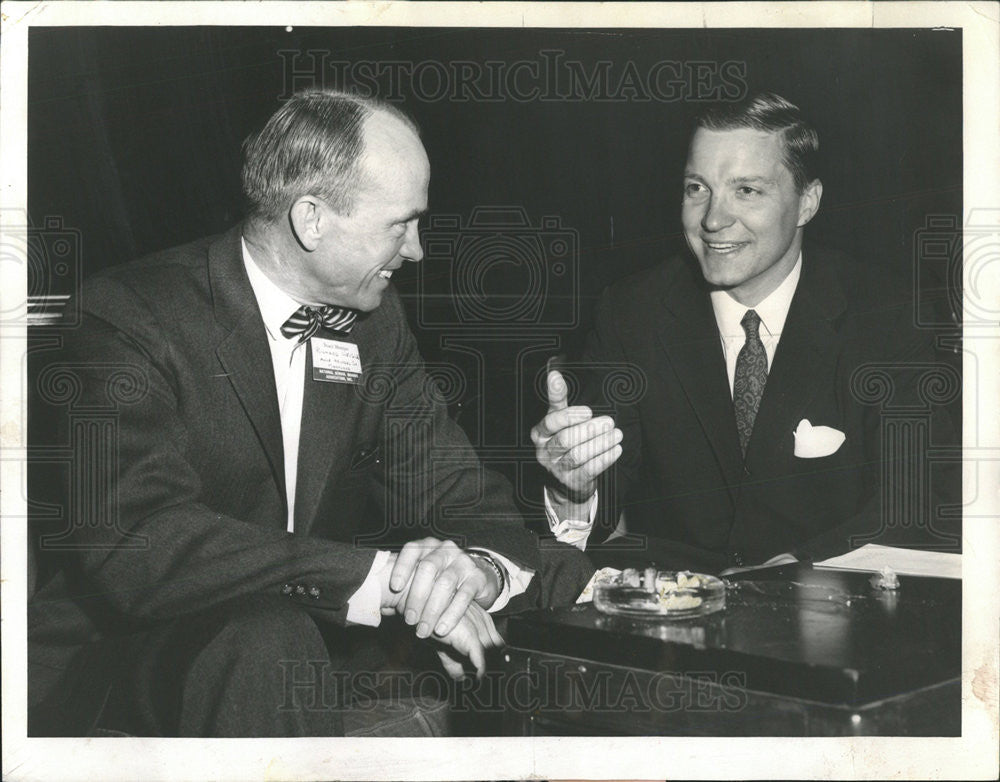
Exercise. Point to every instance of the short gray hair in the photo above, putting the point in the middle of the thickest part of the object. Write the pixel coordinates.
(312, 145)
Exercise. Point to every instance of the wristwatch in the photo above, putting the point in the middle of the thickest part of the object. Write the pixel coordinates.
(489, 559)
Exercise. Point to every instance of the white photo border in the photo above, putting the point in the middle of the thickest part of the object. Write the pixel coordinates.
(972, 756)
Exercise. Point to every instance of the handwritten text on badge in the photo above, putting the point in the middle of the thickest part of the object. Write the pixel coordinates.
(335, 361)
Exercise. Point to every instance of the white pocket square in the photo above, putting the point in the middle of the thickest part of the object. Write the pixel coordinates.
(811, 442)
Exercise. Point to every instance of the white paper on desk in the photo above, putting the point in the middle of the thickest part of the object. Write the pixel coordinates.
(905, 561)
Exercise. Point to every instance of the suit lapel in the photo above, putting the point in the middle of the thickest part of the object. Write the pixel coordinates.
(806, 351)
(325, 408)
(243, 350)
(690, 336)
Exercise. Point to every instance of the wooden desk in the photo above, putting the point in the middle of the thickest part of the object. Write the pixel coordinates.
(796, 652)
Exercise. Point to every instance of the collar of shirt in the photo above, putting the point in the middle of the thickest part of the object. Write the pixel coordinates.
(772, 310)
(275, 305)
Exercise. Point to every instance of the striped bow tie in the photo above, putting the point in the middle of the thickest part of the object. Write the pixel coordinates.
(306, 321)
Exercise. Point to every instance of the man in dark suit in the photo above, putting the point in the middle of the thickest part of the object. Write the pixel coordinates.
(749, 436)
(273, 426)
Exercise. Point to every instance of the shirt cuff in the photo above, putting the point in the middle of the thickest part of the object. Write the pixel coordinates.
(516, 583)
(364, 607)
(572, 531)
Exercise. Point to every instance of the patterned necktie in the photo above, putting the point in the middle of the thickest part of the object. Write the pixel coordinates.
(306, 321)
(751, 375)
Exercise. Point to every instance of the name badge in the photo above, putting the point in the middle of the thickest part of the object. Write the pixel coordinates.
(335, 361)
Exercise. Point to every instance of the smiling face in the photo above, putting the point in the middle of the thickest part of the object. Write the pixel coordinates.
(356, 253)
(741, 212)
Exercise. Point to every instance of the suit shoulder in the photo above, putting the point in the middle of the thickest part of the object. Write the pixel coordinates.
(870, 288)
(641, 290)
(861, 278)
(651, 282)
(168, 279)
(150, 270)
(878, 310)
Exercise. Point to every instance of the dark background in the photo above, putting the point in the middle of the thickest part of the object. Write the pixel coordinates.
(135, 134)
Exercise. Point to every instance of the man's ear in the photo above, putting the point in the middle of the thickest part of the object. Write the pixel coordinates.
(809, 201)
(305, 218)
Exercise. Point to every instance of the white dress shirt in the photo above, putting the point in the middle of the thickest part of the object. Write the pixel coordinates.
(772, 311)
(288, 360)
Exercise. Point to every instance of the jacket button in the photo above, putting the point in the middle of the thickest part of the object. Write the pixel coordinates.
(314, 592)
(286, 589)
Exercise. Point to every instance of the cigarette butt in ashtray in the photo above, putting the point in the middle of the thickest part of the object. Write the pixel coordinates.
(886, 579)
(649, 579)
(602, 576)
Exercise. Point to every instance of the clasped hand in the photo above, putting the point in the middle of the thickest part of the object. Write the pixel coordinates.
(442, 590)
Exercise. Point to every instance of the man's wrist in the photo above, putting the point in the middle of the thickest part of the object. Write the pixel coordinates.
(568, 499)
(390, 599)
(366, 606)
(496, 574)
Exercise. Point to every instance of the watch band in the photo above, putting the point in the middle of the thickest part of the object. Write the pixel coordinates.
(485, 556)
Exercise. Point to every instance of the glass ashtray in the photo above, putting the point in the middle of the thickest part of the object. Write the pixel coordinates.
(660, 593)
